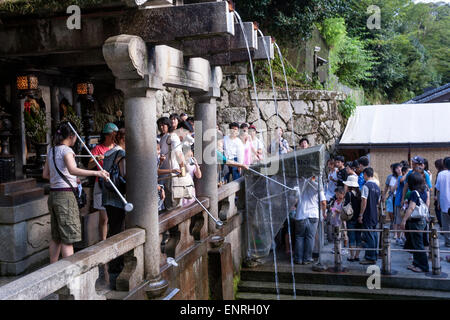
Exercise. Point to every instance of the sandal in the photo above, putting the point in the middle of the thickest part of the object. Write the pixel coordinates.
(415, 269)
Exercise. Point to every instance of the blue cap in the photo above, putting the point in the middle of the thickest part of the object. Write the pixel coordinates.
(110, 127)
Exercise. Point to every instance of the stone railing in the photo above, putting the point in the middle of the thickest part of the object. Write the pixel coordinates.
(74, 278)
(184, 236)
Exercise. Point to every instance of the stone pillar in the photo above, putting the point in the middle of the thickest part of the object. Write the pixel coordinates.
(54, 92)
(205, 142)
(127, 58)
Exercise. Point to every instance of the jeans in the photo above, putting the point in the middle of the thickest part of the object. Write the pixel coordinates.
(305, 232)
(370, 240)
(446, 227)
(354, 237)
(233, 171)
(420, 259)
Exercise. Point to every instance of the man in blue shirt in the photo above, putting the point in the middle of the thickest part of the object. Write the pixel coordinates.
(363, 163)
(418, 165)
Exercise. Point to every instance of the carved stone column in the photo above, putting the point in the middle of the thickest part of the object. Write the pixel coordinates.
(205, 142)
(127, 57)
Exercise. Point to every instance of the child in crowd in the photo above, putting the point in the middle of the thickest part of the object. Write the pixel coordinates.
(336, 210)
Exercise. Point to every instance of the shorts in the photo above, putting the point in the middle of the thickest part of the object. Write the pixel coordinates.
(397, 215)
(98, 197)
(64, 217)
(389, 204)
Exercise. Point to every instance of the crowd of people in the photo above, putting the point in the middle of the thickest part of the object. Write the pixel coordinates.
(351, 198)
(405, 199)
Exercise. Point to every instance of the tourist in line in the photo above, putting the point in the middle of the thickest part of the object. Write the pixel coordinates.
(234, 150)
(416, 219)
(353, 196)
(224, 164)
(258, 146)
(418, 165)
(175, 118)
(183, 116)
(65, 221)
(368, 216)
(106, 143)
(332, 180)
(247, 143)
(363, 164)
(306, 221)
(341, 171)
(336, 221)
(439, 165)
(388, 193)
(115, 208)
(399, 237)
(443, 189)
(193, 169)
(171, 148)
(279, 144)
(304, 143)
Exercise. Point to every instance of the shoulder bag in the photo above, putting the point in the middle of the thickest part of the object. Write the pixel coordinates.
(81, 198)
(347, 210)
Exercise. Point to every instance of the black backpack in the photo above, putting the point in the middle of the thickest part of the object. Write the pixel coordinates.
(115, 177)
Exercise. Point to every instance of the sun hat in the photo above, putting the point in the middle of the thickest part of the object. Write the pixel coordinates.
(110, 127)
(352, 181)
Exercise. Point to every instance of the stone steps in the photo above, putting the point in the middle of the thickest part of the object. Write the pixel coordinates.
(336, 291)
(13, 186)
(306, 276)
(20, 197)
(270, 296)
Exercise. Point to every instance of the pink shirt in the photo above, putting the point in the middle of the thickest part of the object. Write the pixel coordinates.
(248, 152)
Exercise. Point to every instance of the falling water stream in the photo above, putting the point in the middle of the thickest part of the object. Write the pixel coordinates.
(261, 137)
(282, 160)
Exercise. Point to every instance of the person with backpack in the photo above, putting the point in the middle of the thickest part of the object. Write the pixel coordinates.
(416, 219)
(114, 163)
(106, 143)
(61, 169)
(353, 198)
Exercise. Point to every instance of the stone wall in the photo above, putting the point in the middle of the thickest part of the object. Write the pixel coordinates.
(313, 113)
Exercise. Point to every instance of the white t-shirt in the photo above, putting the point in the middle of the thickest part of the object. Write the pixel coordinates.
(308, 205)
(443, 186)
(331, 186)
(233, 148)
(171, 157)
(257, 144)
(55, 179)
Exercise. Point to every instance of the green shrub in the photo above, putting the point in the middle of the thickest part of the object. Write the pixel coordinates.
(347, 107)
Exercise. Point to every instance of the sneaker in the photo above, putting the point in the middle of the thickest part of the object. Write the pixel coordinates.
(308, 262)
(332, 251)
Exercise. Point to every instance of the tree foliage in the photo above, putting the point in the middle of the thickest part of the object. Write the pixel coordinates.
(289, 20)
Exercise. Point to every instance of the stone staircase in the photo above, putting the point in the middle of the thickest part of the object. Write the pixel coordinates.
(259, 283)
(19, 192)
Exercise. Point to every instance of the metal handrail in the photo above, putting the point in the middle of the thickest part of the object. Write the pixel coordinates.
(434, 249)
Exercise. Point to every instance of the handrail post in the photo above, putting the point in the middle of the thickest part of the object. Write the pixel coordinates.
(386, 262)
(435, 252)
(337, 249)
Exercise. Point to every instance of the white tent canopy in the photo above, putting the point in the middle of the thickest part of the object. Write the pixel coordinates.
(398, 124)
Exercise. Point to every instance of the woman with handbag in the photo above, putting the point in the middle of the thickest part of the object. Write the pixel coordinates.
(171, 147)
(61, 169)
(353, 199)
(416, 219)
